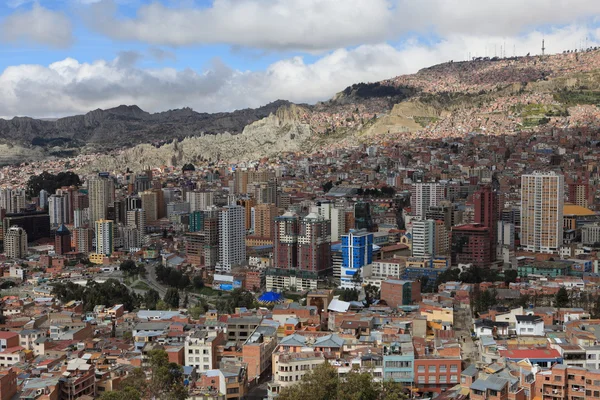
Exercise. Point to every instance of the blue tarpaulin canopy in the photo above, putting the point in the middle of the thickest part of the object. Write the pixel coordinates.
(270, 298)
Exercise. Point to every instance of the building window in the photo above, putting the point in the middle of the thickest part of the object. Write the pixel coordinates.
(421, 368)
(421, 379)
(453, 368)
(432, 368)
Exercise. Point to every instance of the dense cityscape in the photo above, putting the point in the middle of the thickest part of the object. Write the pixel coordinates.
(425, 233)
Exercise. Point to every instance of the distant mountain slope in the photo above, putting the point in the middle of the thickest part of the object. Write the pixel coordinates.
(127, 126)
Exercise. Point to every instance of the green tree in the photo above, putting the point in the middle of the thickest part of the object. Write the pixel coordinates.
(129, 268)
(151, 297)
(128, 393)
(510, 276)
(372, 293)
(167, 378)
(323, 383)
(196, 311)
(161, 305)
(172, 297)
(561, 299)
(197, 282)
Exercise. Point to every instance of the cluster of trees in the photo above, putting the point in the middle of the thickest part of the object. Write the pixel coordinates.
(130, 268)
(51, 182)
(386, 191)
(172, 277)
(188, 167)
(476, 275)
(93, 294)
(165, 381)
(237, 298)
(324, 383)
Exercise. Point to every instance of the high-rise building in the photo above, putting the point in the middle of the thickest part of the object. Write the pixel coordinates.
(471, 245)
(247, 203)
(232, 238)
(56, 210)
(62, 240)
(150, 205)
(43, 199)
(314, 244)
(15, 242)
(542, 201)
(264, 216)
(83, 239)
(487, 212)
(265, 192)
(104, 237)
(101, 192)
(200, 200)
(362, 217)
(357, 251)
(425, 195)
(579, 194)
(423, 238)
(136, 219)
(285, 243)
(6, 199)
(335, 215)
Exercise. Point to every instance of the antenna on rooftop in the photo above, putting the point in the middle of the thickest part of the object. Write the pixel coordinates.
(543, 47)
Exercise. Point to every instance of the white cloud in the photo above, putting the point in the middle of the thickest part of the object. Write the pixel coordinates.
(321, 25)
(312, 25)
(68, 87)
(38, 25)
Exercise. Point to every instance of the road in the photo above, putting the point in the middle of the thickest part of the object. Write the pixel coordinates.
(463, 324)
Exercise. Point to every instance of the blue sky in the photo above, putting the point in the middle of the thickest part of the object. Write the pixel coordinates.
(69, 56)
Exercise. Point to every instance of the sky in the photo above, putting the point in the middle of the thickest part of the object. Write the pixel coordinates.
(65, 57)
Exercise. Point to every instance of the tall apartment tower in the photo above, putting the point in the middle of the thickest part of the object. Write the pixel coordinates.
(425, 195)
(232, 238)
(150, 205)
(314, 244)
(285, 241)
(423, 238)
(357, 251)
(542, 200)
(104, 237)
(15, 242)
(487, 212)
(200, 201)
(56, 210)
(101, 194)
(579, 194)
(264, 215)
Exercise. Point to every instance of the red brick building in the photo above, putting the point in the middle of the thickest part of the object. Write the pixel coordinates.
(400, 293)
(471, 244)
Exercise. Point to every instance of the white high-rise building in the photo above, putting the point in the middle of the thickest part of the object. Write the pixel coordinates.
(425, 195)
(43, 199)
(56, 210)
(15, 242)
(104, 237)
(423, 238)
(336, 216)
(200, 201)
(101, 192)
(232, 238)
(6, 199)
(542, 201)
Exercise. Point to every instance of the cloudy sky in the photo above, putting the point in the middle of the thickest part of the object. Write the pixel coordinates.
(63, 57)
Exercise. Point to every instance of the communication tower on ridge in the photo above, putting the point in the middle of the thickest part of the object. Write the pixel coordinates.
(543, 47)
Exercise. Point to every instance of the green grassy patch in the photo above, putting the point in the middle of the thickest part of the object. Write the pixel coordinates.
(141, 285)
(574, 97)
(424, 121)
